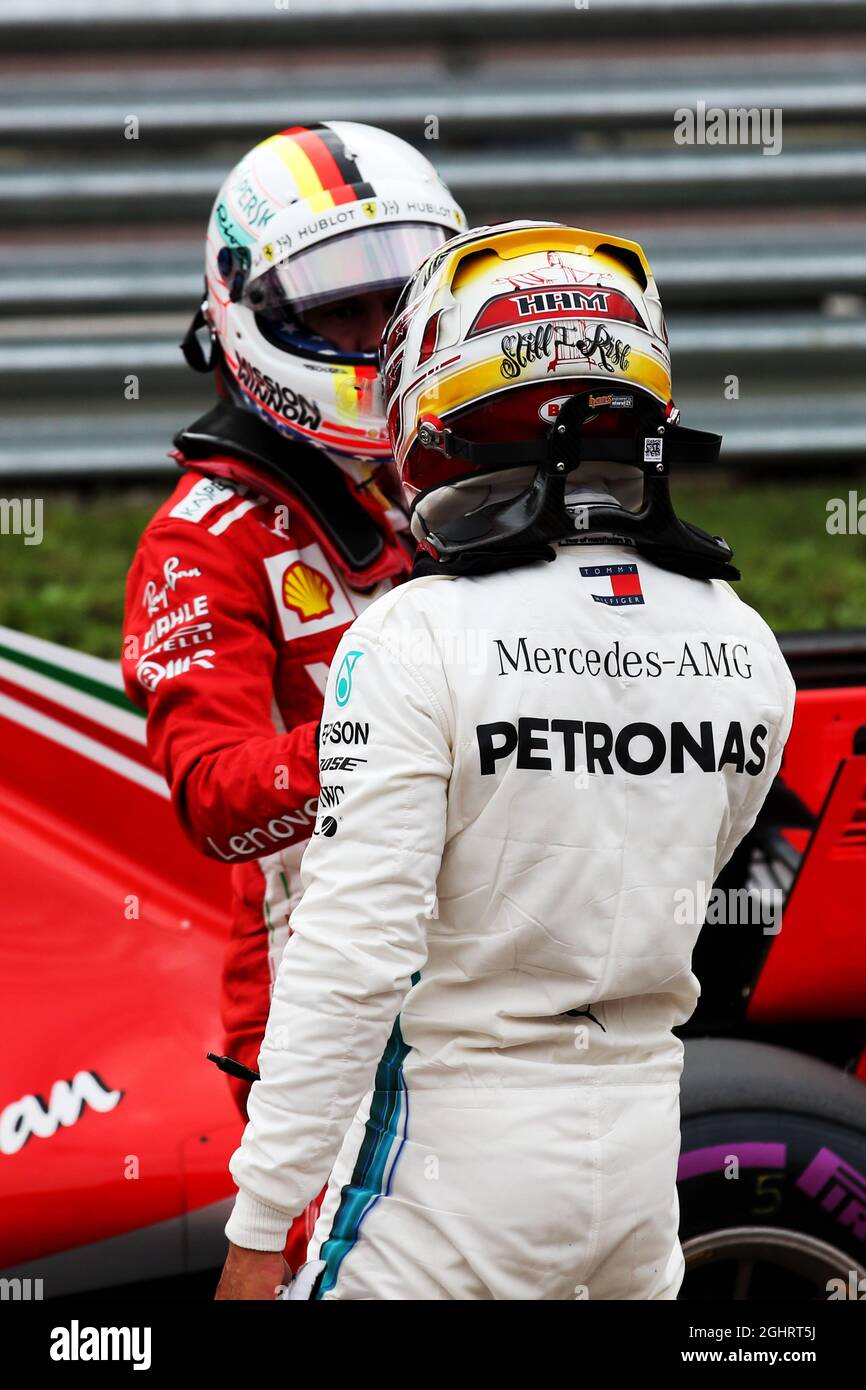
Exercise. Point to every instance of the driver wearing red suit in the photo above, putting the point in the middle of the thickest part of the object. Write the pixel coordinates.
(285, 523)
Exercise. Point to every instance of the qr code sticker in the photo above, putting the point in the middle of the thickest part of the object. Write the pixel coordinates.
(652, 450)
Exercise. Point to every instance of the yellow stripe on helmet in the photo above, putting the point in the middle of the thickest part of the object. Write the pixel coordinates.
(320, 202)
(299, 166)
(469, 384)
(346, 392)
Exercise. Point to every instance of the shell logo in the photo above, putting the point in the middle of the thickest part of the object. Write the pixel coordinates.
(307, 592)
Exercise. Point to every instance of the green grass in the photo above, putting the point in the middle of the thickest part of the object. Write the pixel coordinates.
(794, 573)
(70, 588)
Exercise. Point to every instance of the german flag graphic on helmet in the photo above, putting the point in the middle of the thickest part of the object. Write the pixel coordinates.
(317, 216)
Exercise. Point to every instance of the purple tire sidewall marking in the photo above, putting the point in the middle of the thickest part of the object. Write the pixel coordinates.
(713, 1158)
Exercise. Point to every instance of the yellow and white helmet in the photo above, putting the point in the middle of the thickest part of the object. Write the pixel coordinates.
(515, 354)
(513, 319)
(310, 216)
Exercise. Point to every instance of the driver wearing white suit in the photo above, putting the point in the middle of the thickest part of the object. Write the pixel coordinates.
(533, 750)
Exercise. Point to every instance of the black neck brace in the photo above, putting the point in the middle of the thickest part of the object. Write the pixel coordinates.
(318, 482)
(539, 515)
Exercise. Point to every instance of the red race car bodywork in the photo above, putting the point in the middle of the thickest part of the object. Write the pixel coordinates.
(816, 966)
(114, 1130)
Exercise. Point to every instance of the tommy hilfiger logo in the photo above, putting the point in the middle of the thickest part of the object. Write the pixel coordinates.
(624, 583)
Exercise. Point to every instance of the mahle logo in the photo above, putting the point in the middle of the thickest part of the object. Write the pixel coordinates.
(343, 687)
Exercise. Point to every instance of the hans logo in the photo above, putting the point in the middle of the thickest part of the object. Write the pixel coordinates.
(343, 687)
(624, 583)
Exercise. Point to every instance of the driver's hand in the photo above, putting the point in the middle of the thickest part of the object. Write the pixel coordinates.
(252, 1274)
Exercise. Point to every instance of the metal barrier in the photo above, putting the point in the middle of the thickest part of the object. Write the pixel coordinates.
(39, 25)
(712, 272)
(543, 108)
(485, 184)
(470, 107)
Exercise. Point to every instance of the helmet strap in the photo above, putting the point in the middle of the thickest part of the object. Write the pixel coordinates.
(540, 515)
(191, 345)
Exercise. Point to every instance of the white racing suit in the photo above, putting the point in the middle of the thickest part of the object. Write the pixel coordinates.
(530, 781)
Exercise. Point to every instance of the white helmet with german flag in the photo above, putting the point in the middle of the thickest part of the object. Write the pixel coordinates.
(517, 353)
(312, 216)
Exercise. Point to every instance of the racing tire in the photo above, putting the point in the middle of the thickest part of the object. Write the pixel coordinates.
(772, 1175)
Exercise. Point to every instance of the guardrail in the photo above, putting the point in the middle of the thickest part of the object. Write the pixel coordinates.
(40, 25)
(475, 107)
(544, 108)
(134, 441)
(702, 270)
(485, 184)
(705, 349)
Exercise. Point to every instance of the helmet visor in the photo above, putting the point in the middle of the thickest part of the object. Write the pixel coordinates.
(357, 262)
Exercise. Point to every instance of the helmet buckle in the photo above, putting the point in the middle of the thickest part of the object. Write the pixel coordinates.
(432, 434)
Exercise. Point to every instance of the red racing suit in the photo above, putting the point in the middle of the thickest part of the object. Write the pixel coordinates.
(237, 598)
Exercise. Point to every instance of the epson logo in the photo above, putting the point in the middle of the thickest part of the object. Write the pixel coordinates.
(344, 731)
(638, 748)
